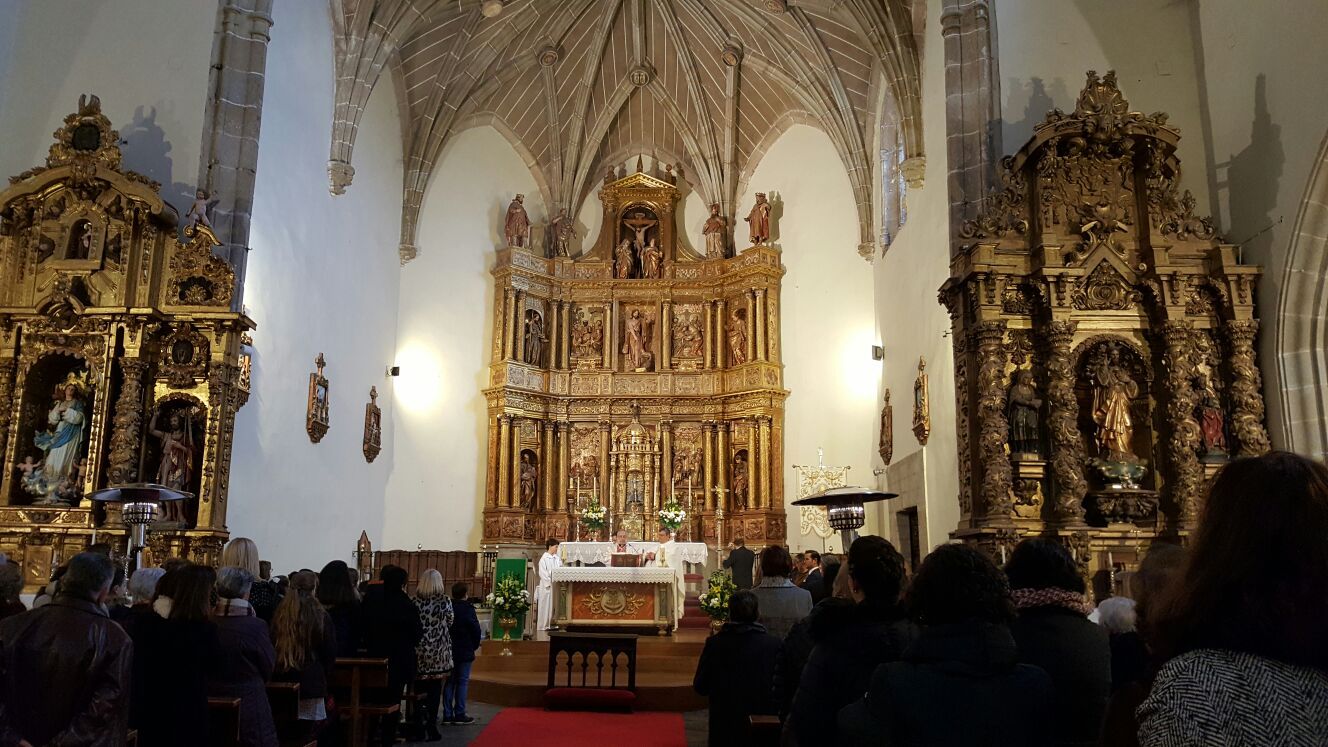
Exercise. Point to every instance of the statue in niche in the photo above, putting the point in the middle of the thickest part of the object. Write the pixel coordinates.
(529, 477)
(886, 445)
(737, 329)
(623, 260)
(1212, 423)
(1113, 389)
(516, 227)
(713, 232)
(177, 459)
(636, 346)
(1024, 406)
(80, 247)
(759, 220)
(561, 231)
(198, 211)
(640, 225)
(687, 341)
(535, 338)
(740, 489)
(62, 445)
(652, 261)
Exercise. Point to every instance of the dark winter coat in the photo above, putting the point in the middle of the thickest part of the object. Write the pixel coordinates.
(850, 642)
(348, 622)
(957, 685)
(391, 630)
(798, 645)
(173, 661)
(1077, 655)
(741, 560)
(466, 632)
(247, 659)
(735, 672)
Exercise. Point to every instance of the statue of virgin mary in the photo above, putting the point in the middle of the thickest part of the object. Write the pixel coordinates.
(63, 443)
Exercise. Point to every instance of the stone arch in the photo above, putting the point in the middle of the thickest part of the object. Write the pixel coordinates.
(1301, 347)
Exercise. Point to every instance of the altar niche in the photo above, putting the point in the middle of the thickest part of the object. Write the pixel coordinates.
(120, 356)
(659, 379)
(1103, 343)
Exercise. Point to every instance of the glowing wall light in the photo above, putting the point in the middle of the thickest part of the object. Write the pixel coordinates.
(419, 387)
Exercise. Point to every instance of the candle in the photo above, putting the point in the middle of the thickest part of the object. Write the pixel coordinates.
(1002, 554)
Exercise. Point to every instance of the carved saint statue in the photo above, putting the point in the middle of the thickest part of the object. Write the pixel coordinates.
(759, 220)
(737, 330)
(886, 445)
(561, 231)
(177, 460)
(535, 339)
(62, 444)
(740, 489)
(622, 262)
(652, 261)
(516, 227)
(1212, 423)
(83, 241)
(636, 346)
(1112, 392)
(198, 211)
(687, 341)
(714, 229)
(529, 476)
(1023, 414)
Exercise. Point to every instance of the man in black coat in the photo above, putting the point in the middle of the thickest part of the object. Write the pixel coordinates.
(741, 560)
(391, 629)
(736, 670)
(64, 668)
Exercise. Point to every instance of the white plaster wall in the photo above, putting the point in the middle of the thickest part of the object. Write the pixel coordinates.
(1269, 114)
(913, 325)
(323, 277)
(436, 492)
(1045, 47)
(146, 60)
(827, 315)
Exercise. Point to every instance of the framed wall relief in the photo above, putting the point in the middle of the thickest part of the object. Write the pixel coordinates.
(373, 427)
(887, 444)
(316, 420)
(921, 407)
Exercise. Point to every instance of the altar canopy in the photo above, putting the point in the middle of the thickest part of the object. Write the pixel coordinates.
(600, 552)
(615, 598)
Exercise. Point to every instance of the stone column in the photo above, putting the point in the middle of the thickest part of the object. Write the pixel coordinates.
(721, 348)
(751, 325)
(491, 484)
(127, 436)
(548, 474)
(564, 472)
(993, 428)
(1067, 444)
(972, 90)
(762, 353)
(1183, 445)
(1247, 407)
(765, 461)
(666, 339)
(504, 460)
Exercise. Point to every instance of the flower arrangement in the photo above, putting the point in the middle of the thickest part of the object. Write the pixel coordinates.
(715, 599)
(509, 597)
(672, 515)
(594, 516)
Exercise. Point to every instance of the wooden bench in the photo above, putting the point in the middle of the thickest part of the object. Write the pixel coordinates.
(352, 680)
(284, 700)
(224, 722)
(584, 672)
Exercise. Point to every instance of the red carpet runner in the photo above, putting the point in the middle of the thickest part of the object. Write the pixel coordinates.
(575, 729)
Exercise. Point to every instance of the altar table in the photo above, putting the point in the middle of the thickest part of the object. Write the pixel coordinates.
(614, 598)
(599, 552)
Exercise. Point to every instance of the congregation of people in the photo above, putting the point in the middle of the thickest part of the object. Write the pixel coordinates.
(1216, 640)
(146, 655)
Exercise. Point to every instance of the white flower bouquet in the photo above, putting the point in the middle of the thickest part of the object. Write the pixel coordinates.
(594, 517)
(672, 516)
(509, 597)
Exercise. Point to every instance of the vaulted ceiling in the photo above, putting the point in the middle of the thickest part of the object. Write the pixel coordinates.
(578, 86)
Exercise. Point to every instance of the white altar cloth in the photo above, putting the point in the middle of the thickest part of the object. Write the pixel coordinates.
(647, 575)
(599, 552)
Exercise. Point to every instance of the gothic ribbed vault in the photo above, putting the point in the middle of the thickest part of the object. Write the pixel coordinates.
(581, 85)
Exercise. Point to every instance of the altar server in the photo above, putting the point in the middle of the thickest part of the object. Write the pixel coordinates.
(666, 556)
(544, 592)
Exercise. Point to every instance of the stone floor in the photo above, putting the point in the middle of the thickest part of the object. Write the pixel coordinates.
(458, 736)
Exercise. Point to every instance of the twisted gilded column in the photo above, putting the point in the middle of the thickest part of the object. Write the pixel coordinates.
(761, 352)
(666, 459)
(127, 432)
(765, 461)
(708, 341)
(707, 465)
(491, 484)
(666, 340)
(993, 428)
(722, 458)
(7, 367)
(565, 338)
(564, 435)
(610, 346)
(1183, 445)
(1247, 408)
(514, 495)
(605, 434)
(504, 461)
(548, 480)
(722, 358)
(754, 477)
(509, 321)
(752, 315)
(1067, 444)
(554, 328)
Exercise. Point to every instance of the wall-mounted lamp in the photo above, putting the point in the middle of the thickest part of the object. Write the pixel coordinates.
(878, 353)
(394, 370)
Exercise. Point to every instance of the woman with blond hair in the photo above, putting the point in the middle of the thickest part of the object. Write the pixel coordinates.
(433, 653)
(241, 552)
(306, 645)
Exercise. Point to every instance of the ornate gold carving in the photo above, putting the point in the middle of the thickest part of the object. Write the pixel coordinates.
(687, 335)
(994, 431)
(1247, 408)
(126, 437)
(316, 418)
(195, 276)
(1067, 445)
(611, 601)
(1185, 439)
(373, 427)
(185, 357)
(921, 406)
(1104, 289)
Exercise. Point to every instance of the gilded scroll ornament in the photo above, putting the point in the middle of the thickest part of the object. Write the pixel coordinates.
(611, 602)
(1104, 289)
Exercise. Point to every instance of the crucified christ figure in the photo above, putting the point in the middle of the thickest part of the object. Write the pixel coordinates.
(640, 224)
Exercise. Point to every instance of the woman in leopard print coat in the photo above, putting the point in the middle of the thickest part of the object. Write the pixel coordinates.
(433, 654)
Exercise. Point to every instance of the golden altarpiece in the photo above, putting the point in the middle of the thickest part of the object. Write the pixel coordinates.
(1103, 340)
(636, 373)
(120, 356)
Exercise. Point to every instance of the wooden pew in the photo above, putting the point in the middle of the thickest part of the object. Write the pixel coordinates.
(352, 680)
(584, 672)
(224, 722)
(284, 699)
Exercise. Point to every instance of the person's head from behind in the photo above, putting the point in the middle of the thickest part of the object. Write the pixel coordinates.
(743, 607)
(143, 584)
(830, 568)
(101, 548)
(191, 599)
(303, 583)
(1161, 567)
(394, 578)
(839, 586)
(775, 562)
(1116, 615)
(297, 623)
(11, 582)
(241, 552)
(88, 577)
(739, 541)
(334, 585)
(265, 570)
(1041, 563)
(959, 584)
(234, 583)
(875, 570)
(459, 590)
(1256, 580)
(430, 585)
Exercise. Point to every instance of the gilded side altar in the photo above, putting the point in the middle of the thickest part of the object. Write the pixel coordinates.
(120, 355)
(638, 372)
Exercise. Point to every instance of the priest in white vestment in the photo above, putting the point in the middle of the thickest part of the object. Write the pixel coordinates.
(544, 592)
(667, 556)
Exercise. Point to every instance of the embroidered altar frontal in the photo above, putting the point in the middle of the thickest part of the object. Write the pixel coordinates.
(614, 598)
